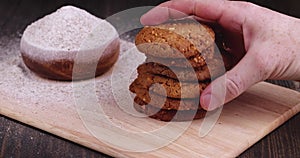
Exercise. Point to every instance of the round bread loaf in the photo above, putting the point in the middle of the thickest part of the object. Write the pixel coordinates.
(54, 44)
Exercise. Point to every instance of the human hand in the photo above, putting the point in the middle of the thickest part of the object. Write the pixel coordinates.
(266, 43)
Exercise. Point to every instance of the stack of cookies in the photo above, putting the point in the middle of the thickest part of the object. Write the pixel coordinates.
(177, 54)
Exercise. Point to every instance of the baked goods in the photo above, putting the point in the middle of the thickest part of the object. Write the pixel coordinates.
(170, 115)
(52, 45)
(181, 58)
(168, 103)
(177, 39)
(172, 88)
(196, 61)
(202, 73)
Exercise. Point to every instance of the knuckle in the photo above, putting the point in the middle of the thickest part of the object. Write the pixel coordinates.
(247, 6)
(234, 88)
(262, 64)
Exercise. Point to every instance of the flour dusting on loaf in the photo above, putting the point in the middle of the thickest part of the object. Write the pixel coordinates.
(70, 38)
(61, 34)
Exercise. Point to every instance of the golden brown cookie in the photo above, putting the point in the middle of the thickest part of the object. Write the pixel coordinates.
(182, 74)
(170, 115)
(194, 61)
(172, 88)
(170, 103)
(178, 39)
(180, 63)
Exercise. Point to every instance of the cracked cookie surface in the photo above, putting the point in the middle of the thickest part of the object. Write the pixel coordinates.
(165, 87)
(176, 40)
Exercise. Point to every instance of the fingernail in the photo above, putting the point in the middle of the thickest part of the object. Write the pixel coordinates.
(205, 98)
(156, 15)
(209, 102)
(205, 101)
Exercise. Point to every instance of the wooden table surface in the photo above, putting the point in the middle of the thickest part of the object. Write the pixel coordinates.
(20, 140)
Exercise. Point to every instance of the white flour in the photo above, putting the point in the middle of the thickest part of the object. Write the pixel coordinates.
(55, 103)
(18, 82)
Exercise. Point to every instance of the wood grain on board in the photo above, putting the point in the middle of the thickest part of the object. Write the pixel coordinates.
(242, 122)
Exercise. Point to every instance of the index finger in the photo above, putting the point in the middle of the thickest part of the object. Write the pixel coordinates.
(229, 14)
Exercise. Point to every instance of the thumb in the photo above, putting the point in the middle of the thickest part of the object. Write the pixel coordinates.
(234, 82)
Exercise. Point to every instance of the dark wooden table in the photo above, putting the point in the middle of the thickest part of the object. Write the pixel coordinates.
(20, 140)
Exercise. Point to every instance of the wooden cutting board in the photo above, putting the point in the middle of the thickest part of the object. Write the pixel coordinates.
(64, 109)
